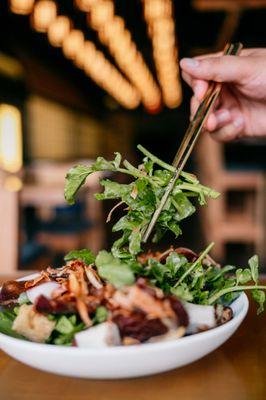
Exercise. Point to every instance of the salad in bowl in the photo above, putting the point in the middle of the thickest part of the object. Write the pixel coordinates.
(128, 296)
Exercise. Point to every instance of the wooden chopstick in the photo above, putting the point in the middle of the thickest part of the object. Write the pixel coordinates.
(191, 137)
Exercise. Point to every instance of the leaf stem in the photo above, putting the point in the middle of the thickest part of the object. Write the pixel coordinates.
(199, 259)
(196, 188)
(222, 292)
(156, 159)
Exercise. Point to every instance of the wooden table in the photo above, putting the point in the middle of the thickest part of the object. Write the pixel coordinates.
(236, 371)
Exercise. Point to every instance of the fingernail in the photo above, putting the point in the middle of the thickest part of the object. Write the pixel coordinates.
(189, 62)
(238, 122)
(222, 116)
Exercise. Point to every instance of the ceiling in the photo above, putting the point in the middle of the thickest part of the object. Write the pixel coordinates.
(49, 73)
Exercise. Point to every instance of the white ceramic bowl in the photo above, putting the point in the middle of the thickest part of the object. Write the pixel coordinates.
(124, 362)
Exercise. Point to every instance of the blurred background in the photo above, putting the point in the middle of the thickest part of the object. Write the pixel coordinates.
(82, 78)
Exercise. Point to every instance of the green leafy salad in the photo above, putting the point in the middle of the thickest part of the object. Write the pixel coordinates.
(127, 296)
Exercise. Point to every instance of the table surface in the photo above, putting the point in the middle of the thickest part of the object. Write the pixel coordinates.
(235, 371)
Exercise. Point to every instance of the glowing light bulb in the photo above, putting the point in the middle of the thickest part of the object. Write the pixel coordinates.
(44, 14)
(73, 44)
(22, 7)
(58, 30)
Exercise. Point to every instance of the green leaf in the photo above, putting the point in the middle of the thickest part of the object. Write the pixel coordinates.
(119, 248)
(84, 255)
(75, 178)
(114, 190)
(174, 262)
(64, 325)
(259, 297)
(243, 275)
(6, 323)
(253, 263)
(182, 292)
(101, 315)
(134, 242)
(117, 160)
(183, 206)
(112, 269)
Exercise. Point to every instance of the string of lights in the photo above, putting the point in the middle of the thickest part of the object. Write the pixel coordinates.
(114, 35)
(83, 53)
(161, 28)
(112, 32)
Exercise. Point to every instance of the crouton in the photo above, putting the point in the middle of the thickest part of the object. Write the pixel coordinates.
(33, 325)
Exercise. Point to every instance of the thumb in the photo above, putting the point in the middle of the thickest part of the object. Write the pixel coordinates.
(219, 69)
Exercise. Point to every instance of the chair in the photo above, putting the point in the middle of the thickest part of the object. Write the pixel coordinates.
(221, 222)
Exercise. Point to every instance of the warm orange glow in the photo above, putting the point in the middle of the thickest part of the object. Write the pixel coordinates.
(161, 29)
(101, 12)
(10, 138)
(44, 14)
(107, 76)
(85, 5)
(84, 53)
(58, 30)
(12, 183)
(73, 43)
(113, 34)
(22, 7)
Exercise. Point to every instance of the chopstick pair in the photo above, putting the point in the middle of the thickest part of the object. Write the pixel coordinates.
(191, 137)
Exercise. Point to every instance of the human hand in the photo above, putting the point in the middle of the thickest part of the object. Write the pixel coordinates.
(241, 107)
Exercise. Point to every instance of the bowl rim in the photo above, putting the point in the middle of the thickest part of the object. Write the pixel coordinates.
(145, 347)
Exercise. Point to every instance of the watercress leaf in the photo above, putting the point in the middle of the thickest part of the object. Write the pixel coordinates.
(102, 164)
(132, 220)
(6, 323)
(84, 255)
(174, 262)
(159, 233)
(174, 227)
(163, 175)
(259, 297)
(112, 269)
(119, 248)
(156, 270)
(134, 242)
(64, 325)
(75, 178)
(113, 190)
(215, 273)
(101, 315)
(182, 292)
(184, 207)
(117, 160)
(253, 263)
(148, 165)
(243, 275)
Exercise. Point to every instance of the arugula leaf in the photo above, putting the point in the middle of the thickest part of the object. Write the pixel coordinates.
(259, 297)
(75, 178)
(84, 255)
(65, 329)
(253, 263)
(134, 242)
(64, 325)
(182, 292)
(101, 315)
(114, 270)
(6, 322)
(243, 275)
(141, 197)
